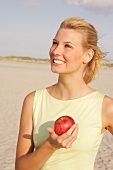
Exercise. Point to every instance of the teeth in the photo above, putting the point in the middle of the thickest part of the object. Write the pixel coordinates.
(58, 62)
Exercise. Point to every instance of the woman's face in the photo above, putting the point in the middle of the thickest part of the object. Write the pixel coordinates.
(66, 52)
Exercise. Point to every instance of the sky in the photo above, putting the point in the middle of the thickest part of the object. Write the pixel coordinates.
(27, 27)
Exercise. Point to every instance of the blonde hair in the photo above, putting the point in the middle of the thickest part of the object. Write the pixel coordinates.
(90, 40)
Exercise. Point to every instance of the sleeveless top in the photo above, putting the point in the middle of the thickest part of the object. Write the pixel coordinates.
(86, 111)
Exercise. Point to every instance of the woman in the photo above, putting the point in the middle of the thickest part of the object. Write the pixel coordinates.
(76, 57)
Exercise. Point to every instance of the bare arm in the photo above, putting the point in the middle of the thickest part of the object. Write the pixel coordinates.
(108, 113)
(26, 157)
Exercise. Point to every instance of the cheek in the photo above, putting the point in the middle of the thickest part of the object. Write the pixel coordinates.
(70, 56)
(78, 56)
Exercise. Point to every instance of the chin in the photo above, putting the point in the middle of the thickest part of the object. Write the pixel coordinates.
(55, 71)
(58, 71)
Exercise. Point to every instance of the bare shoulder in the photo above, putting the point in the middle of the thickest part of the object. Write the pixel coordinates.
(29, 98)
(27, 107)
(108, 104)
(108, 112)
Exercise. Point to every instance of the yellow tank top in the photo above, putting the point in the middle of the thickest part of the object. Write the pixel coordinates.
(86, 111)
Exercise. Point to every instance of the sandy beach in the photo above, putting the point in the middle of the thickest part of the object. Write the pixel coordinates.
(19, 79)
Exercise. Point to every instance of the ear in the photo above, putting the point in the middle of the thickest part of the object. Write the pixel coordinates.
(88, 56)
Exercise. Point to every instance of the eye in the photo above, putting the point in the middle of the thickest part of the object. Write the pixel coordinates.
(55, 43)
(68, 46)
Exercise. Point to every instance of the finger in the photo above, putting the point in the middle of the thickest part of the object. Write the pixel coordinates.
(75, 131)
(51, 130)
(73, 137)
(67, 143)
(69, 132)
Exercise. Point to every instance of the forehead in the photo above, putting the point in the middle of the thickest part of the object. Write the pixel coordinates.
(68, 35)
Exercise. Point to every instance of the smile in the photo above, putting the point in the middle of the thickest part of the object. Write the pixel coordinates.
(58, 61)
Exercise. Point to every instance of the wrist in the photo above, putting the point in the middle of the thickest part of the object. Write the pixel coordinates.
(50, 145)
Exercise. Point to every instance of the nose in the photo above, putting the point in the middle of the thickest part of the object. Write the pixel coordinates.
(57, 50)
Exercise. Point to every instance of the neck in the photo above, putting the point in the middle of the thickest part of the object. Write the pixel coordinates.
(69, 87)
(70, 83)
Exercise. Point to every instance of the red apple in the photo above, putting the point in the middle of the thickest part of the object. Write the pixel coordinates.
(63, 124)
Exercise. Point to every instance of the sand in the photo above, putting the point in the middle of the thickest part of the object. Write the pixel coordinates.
(19, 79)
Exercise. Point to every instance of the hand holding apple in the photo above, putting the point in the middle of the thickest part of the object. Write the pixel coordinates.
(65, 136)
(64, 133)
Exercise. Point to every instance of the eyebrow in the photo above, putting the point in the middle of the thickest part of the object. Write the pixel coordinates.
(64, 42)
